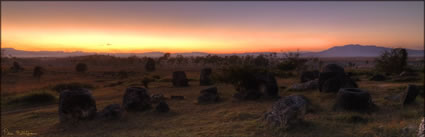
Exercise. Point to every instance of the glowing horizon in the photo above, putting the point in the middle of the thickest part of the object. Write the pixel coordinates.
(213, 27)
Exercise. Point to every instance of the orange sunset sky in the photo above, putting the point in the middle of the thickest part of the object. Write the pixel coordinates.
(214, 27)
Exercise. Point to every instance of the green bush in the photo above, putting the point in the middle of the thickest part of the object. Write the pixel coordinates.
(71, 86)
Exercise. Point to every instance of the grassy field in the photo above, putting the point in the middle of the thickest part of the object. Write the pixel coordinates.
(228, 118)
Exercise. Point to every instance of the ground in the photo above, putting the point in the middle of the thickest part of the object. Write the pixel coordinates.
(228, 118)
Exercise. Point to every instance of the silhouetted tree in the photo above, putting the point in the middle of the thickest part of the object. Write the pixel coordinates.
(261, 61)
(393, 61)
(16, 67)
(38, 72)
(150, 65)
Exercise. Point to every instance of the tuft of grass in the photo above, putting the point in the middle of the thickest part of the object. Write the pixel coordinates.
(75, 85)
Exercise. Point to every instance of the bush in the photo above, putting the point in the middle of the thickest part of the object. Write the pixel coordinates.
(38, 72)
(394, 61)
(240, 75)
(16, 67)
(81, 67)
(292, 61)
(71, 86)
(39, 97)
(261, 61)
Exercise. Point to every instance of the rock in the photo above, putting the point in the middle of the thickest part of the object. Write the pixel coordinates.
(354, 99)
(334, 68)
(288, 111)
(162, 107)
(179, 79)
(113, 111)
(309, 85)
(332, 78)
(76, 104)
(177, 97)
(378, 77)
(136, 99)
(268, 85)
(309, 75)
(156, 98)
(409, 129)
(205, 79)
(421, 129)
(409, 96)
(150, 65)
(262, 85)
(209, 95)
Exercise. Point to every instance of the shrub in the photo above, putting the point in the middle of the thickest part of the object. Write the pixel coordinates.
(33, 98)
(240, 75)
(261, 61)
(38, 72)
(81, 67)
(16, 67)
(291, 61)
(71, 86)
(393, 61)
(150, 65)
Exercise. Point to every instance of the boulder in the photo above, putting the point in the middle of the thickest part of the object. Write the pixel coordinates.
(136, 99)
(113, 111)
(421, 129)
(332, 78)
(150, 65)
(378, 77)
(409, 96)
(209, 95)
(156, 98)
(309, 85)
(354, 99)
(334, 68)
(288, 111)
(76, 104)
(205, 79)
(267, 85)
(309, 75)
(179, 79)
(262, 85)
(162, 107)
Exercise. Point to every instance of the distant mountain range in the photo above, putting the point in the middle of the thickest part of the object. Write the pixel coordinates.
(355, 50)
(352, 50)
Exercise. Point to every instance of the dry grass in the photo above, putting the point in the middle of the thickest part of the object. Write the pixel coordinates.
(229, 118)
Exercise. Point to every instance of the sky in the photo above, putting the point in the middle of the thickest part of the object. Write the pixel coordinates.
(209, 26)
